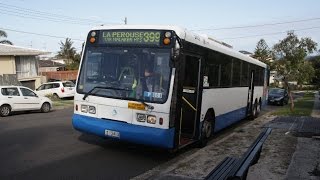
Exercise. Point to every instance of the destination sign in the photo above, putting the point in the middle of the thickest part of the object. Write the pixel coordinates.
(138, 37)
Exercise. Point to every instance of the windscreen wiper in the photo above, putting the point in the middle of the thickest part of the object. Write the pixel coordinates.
(148, 105)
(101, 87)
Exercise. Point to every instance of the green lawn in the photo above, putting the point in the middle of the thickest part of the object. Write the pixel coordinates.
(302, 107)
(62, 103)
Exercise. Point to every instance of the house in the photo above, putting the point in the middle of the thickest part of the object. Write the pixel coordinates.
(49, 66)
(21, 63)
(61, 61)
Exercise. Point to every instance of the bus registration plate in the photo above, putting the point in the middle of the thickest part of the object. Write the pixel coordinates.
(111, 133)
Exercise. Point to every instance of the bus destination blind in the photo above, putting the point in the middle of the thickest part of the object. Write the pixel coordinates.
(132, 37)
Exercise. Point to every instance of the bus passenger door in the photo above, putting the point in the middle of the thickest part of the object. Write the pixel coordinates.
(190, 99)
(250, 93)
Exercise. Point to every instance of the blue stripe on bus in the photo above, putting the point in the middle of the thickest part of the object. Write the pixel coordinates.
(225, 120)
(128, 132)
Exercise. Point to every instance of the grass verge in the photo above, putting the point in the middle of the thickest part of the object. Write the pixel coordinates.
(62, 103)
(302, 107)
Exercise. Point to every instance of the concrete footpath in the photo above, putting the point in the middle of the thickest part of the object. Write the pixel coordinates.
(197, 163)
(316, 108)
(292, 150)
(305, 163)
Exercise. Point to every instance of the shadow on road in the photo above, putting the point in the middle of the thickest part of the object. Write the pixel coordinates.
(127, 147)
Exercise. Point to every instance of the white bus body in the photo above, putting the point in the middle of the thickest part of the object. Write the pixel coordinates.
(185, 104)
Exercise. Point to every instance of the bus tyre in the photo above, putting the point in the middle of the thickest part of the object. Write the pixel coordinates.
(5, 110)
(258, 109)
(254, 111)
(206, 132)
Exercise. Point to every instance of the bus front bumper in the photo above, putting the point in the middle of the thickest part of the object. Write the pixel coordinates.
(123, 131)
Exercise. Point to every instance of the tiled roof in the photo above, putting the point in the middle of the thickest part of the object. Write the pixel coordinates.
(10, 50)
(48, 63)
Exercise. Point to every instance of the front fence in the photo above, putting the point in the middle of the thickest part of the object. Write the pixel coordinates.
(61, 75)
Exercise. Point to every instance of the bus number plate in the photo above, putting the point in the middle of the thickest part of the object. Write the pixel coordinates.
(110, 133)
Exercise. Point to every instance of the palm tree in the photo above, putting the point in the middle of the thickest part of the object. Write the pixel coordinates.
(4, 34)
(67, 52)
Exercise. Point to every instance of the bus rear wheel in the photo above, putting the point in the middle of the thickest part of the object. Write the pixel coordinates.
(258, 109)
(254, 112)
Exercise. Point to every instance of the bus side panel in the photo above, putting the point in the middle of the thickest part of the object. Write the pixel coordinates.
(258, 93)
(229, 105)
(128, 132)
(237, 112)
(265, 87)
(227, 119)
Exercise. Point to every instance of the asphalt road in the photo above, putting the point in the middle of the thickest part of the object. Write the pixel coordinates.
(45, 146)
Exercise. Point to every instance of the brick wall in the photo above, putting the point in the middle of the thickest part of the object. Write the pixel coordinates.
(61, 75)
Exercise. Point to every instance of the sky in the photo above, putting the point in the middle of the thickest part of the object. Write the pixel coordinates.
(26, 21)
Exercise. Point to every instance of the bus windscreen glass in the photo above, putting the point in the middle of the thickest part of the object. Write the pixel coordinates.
(130, 73)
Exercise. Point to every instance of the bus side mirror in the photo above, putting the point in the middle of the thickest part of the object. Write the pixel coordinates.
(176, 52)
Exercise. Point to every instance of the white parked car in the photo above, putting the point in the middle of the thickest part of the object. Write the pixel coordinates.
(58, 89)
(19, 98)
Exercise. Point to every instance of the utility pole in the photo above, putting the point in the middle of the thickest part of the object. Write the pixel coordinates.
(125, 20)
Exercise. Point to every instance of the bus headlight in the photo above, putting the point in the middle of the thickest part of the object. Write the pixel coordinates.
(92, 109)
(93, 33)
(167, 34)
(141, 117)
(151, 119)
(84, 108)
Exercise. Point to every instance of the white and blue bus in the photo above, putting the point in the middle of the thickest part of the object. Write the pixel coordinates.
(163, 86)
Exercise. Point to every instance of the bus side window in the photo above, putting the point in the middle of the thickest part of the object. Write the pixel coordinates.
(236, 73)
(226, 67)
(244, 74)
(213, 70)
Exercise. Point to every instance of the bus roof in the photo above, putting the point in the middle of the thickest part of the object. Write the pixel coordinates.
(201, 40)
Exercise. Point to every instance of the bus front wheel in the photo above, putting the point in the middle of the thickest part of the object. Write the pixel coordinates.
(206, 129)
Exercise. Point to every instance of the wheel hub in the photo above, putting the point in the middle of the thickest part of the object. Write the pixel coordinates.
(5, 110)
(207, 128)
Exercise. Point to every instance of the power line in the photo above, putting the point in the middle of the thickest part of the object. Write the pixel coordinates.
(268, 34)
(230, 38)
(41, 15)
(40, 18)
(16, 8)
(38, 34)
(259, 25)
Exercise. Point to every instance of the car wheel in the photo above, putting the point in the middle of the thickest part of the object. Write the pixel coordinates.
(55, 96)
(282, 103)
(45, 107)
(5, 110)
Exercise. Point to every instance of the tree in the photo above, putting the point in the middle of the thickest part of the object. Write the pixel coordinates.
(263, 52)
(3, 34)
(74, 65)
(316, 66)
(67, 52)
(291, 52)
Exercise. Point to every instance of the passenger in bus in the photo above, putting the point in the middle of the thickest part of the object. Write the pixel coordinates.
(147, 80)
